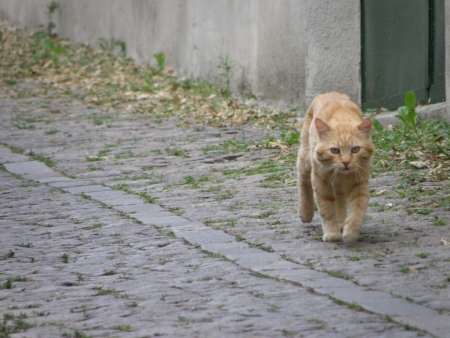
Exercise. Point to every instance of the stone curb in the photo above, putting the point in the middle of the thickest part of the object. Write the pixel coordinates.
(436, 111)
(218, 242)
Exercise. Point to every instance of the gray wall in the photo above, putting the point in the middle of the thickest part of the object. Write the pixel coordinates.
(287, 51)
(333, 39)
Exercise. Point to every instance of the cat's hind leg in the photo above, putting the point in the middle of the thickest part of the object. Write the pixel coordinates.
(305, 190)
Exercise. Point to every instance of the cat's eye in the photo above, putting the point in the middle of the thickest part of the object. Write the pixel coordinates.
(335, 150)
(355, 150)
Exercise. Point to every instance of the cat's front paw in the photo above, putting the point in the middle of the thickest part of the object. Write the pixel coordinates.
(350, 236)
(332, 237)
(306, 215)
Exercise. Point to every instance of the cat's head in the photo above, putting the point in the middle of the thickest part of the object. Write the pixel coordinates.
(345, 147)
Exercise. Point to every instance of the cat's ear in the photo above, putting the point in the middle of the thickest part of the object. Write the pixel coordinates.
(366, 126)
(322, 127)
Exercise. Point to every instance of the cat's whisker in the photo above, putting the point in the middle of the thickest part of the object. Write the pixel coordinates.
(331, 180)
(359, 175)
(335, 176)
(324, 171)
(364, 170)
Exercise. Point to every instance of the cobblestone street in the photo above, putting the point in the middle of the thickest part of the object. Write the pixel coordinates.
(141, 227)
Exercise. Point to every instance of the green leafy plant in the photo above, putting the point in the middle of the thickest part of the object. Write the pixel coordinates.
(124, 327)
(51, 9)
(339, 274)
(113, 46)
(290, 138)
(423, 255)
(8, 284)
(65, 258)
(408, 113)
(225, 71)
(398, 146)
(49, 162)
(161, 60)
(13, 324)
(52, 48)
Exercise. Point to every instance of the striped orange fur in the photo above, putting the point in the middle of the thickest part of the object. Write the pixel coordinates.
(333, 166)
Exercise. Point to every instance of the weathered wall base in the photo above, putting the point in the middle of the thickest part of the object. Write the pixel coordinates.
(284, 51)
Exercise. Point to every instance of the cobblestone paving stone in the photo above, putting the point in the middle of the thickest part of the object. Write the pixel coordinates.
(184, 168)
(78, 267)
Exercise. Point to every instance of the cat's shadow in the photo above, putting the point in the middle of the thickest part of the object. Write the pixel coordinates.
(312, 230)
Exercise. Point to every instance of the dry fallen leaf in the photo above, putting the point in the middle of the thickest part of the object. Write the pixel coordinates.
(418, 164)
(381, 192)
(444, 241)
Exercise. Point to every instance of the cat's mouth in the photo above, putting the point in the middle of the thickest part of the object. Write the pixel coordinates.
(346, 170)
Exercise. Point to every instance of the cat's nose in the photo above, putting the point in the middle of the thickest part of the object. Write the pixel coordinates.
(345, 163)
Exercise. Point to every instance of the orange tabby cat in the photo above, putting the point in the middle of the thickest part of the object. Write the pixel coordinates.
(333, 166)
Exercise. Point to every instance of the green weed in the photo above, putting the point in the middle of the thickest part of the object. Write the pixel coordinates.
(397, 146)
(225, 69)
(13, 324)
(146, 196)
(267, 248)
(52, 132)
(101, 155)
(224, 195)
(265, 214)
(440, 221)
(161, 60)
(423, 255)
(49, 162)
(114, 47)
(126, 154)
(51, 9)
(170, 233)
(195, 182)
(124, 327)
(292, 138)
(339, 274)
(8, 284)
(65, 258)
(240, 238)
(177, 210)
(422, 211)
(176, 152)
(315, 238)
(221, 224)
(409, 244)
(103, 292)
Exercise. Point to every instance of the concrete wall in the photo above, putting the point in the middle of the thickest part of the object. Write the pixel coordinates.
(287, 51)
(333, 39)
